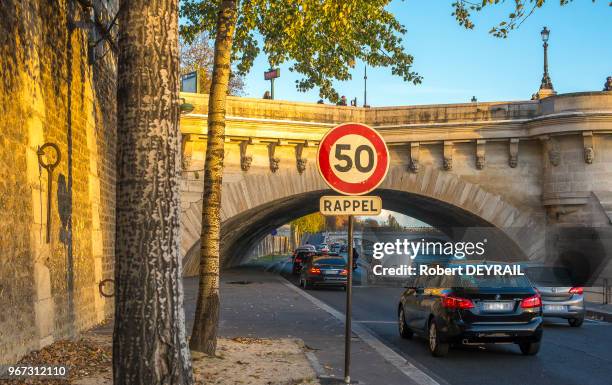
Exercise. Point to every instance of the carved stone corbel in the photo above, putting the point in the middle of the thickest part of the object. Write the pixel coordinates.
(414, 156)
(448, 156)
(480, 154)
(245, 160)
(551, 148)
(300, 162)
(274, 161)
(513, 152)
(589, 149)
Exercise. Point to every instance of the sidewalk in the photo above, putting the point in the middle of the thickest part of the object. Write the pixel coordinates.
(255, 303)
(599, 311)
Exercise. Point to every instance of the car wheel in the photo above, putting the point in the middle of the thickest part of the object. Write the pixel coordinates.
(404, 330)
(575, 322)
(436, 347)
(529, 348)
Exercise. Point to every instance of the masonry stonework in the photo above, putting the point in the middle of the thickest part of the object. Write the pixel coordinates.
(537, 171)
(50, 93)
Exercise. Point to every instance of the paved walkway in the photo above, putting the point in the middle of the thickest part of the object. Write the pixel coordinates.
(599, 311)
(256, 303)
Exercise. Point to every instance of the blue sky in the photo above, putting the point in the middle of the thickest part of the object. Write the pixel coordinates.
(457, 63)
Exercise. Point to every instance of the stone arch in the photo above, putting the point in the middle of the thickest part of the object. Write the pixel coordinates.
(256, 203)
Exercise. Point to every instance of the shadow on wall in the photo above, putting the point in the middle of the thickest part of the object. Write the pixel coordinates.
(64, 208)
(584, 251)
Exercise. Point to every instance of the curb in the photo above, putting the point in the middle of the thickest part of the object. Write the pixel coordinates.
(599, 315)
(414, 375)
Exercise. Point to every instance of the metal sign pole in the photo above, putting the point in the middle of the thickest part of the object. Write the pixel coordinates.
(272, 88)
(353, 185)
(349, 286)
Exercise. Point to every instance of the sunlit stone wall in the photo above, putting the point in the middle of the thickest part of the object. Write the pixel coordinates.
(49, 93)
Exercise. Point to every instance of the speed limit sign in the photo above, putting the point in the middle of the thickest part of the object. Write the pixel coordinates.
(353, 159)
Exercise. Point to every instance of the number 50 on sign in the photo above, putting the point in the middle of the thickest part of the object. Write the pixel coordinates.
(353, 159)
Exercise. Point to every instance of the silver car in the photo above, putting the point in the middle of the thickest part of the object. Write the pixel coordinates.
(560, 297)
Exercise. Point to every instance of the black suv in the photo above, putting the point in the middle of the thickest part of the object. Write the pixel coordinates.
(471, 309)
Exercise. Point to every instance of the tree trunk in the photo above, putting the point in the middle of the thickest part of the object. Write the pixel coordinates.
(149, 342)
(204, 334)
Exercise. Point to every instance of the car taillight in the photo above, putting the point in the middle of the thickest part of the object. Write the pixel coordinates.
(314, 270)
(534, 301)
(344, 272)
(457, 303)
(576, 290)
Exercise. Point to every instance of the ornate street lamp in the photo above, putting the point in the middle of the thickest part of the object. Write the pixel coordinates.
(546, 87)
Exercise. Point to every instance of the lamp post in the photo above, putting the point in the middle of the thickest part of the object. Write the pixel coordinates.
(546, 87)
(365, 86)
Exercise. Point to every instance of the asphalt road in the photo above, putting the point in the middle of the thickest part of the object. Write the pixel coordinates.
(576, 356)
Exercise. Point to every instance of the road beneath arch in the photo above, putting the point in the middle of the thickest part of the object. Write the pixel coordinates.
(569, 356)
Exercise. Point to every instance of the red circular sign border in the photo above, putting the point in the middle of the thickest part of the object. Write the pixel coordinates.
(369, 133)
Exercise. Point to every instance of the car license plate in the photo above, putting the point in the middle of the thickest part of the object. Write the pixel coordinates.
(328, 272)
(497, 306)
(555, 308)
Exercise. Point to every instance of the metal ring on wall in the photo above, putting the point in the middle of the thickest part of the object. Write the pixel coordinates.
(41, 153)
(101, 287)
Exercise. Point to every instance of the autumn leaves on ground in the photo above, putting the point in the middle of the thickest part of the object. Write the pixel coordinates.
(238, 361)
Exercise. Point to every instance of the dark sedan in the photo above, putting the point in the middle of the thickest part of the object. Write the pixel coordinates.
(461, 309)
(324, 270)
(300, 259)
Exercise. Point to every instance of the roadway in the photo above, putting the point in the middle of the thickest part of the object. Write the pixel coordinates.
(568, 356)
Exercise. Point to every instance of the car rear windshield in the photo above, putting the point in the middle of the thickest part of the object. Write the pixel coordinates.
(550, 276)
(487, 281)
(484, 281)
(330, 261)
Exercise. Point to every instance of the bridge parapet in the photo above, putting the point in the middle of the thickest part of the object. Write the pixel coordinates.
(284, 120)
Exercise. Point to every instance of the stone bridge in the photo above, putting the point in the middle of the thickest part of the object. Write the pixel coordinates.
(536, 174)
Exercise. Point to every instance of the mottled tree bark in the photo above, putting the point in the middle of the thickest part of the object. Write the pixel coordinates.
(149, 342)
(204, 334)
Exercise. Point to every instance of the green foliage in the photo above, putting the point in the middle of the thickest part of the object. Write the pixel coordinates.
(393, 224)
(521, 10)
(312, 223)
(321, 38)
(369, 223)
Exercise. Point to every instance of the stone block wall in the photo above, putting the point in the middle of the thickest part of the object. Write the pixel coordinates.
(50, 93)
(271, 245)
(492, 159)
